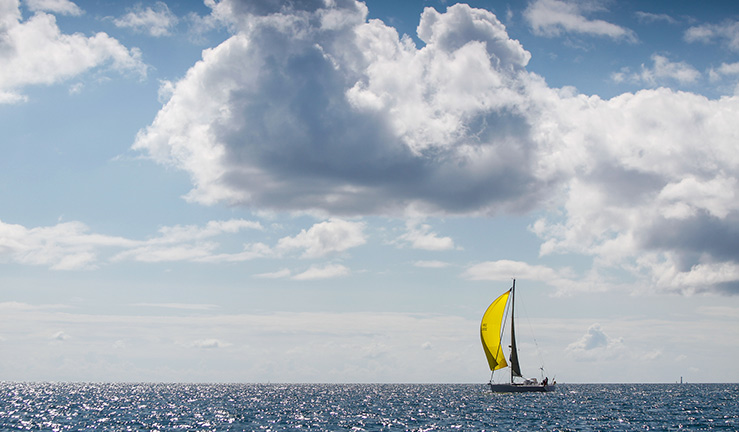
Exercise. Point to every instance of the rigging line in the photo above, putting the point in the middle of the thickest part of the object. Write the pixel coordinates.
(505, 322)
(531, 331)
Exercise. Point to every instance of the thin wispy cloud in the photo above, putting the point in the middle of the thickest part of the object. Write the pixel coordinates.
(67, 245)
(314, 272)
(726, 69)
(431, 264)
(211, 343)
(726, 33)
(556, 17)
(328, 271)
(648, 17)
(71, 245)
(63, 7)
(279, 274)
(179, 306)
(505, 270)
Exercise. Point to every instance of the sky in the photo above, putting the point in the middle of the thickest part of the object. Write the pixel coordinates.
(335, 191)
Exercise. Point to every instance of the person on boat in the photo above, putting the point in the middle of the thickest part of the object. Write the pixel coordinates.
(545, 382)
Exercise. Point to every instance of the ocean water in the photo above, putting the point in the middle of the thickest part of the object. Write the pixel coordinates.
(365, 407)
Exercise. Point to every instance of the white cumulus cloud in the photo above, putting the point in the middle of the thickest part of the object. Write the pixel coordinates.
(156, 21)
(334, 235)
(663, 70)
(420, 236)
(595, 345)
(35, 51)
(646, 166)
(299, 111)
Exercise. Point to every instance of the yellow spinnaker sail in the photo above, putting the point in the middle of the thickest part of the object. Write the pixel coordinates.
(490, 332)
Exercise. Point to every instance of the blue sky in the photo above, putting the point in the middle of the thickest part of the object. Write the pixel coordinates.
(334, 191)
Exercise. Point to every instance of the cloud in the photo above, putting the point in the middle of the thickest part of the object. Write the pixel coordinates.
(188, 243)
(180, 233)
(334, 235)
(213, 347)
(152, 253)
(419, 236)
(647, 17)
(35, 52)
(726, 69)
(328, 271)
(313, 107)
(505, 270)
(331, 112)
(645, 167)
(554, 17)
(60, 336)
(71, 245)
(322, 110)
(664, 68)
(727, 32)
(10, 307)
(65, 246)
(209, 344)
(662, 71)
(179, 306)
(157, 21)
(595, 344)
(720, 311)
(431, 264)
(279, 274)
(64, 7)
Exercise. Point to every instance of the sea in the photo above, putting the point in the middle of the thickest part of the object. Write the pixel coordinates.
(365, 407)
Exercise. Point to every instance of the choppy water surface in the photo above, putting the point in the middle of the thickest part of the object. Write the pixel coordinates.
(370, 407)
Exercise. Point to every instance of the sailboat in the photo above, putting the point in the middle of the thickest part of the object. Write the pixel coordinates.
(491, 334)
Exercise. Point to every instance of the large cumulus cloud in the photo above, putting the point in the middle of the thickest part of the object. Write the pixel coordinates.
(318, 109)
(310, 106)
(651, 186)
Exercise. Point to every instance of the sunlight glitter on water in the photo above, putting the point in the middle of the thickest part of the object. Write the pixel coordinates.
(364, 407)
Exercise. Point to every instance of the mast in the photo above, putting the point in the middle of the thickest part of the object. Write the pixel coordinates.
(515, 367)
